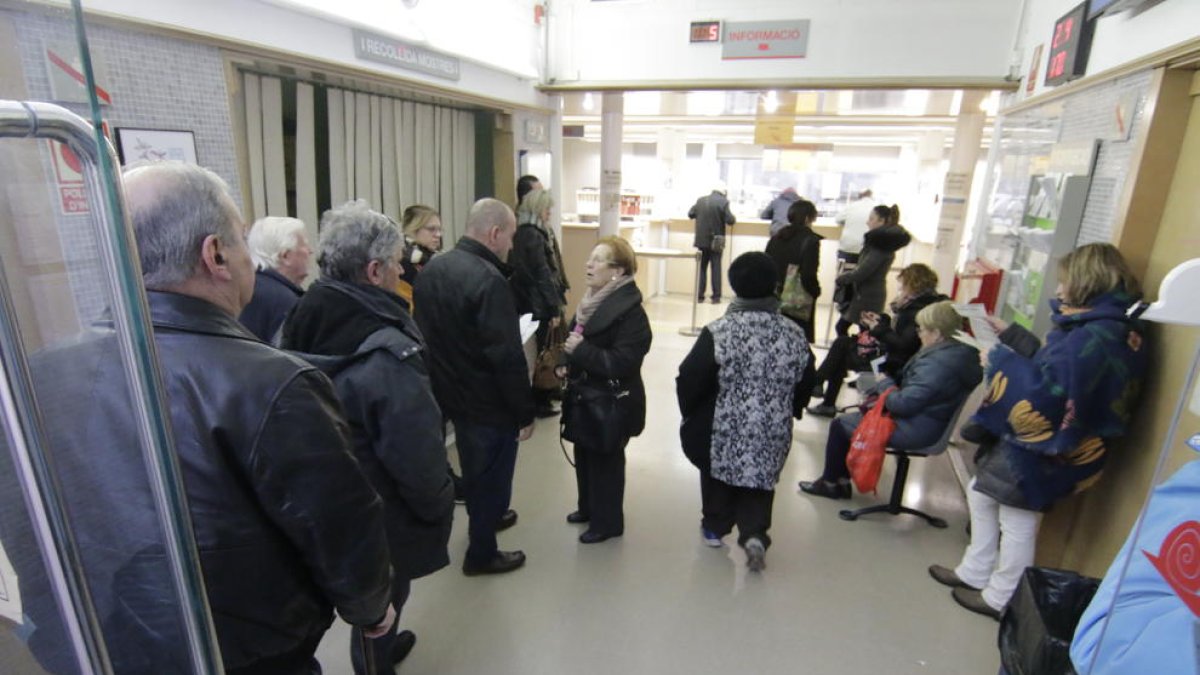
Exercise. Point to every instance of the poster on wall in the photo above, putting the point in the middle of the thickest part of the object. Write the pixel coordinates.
(155, 145)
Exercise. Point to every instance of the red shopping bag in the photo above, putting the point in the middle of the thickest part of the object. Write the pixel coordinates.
(868, 445)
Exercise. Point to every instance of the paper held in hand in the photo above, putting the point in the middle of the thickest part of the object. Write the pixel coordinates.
(527, 326)
(984, 336)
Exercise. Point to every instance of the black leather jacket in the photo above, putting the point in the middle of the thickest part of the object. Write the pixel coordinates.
(469, 320)
(286, 526)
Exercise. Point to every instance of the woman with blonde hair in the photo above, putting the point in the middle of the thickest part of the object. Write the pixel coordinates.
(930, 389)
(1043, 425)
(422, 226)
(538, 282)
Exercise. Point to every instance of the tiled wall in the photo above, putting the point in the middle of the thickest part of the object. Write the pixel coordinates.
(156, 82)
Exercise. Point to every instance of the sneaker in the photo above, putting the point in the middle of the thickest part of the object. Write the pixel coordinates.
(822, 410)
(710, 538)
(756, 555)
(946, 577)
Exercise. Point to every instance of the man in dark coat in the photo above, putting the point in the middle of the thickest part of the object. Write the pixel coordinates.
(480, 376)
(777, 210)
(712, 215)
(281, 253)
(372, 349)
(285, 526)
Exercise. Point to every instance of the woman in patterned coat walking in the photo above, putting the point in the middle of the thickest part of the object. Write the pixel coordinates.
(737, 390)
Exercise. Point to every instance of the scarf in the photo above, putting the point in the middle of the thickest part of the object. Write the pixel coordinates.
(768, 304)
(592, 298)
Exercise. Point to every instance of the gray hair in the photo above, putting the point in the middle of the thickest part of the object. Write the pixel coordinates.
(174, 206)
(532, 206)
(271, 237)
(486, 214)
(352, 235)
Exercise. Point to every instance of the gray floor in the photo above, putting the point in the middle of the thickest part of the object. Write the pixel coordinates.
(836, 597)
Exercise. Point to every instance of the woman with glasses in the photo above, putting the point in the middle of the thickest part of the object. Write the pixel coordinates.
(422, 240)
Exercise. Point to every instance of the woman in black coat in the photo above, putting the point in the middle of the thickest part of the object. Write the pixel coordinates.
(609, 337)
(797, 244)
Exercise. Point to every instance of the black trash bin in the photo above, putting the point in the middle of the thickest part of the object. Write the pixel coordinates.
(1039, 622)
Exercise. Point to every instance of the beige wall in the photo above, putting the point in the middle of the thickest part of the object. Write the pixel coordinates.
(1086, 532)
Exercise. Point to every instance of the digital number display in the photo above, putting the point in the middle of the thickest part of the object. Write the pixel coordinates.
(706, 31)
(1069, 46)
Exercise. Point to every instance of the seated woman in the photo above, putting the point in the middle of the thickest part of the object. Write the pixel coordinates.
(897, 337)
(1042, 428)
(736, 390)
(931, 387)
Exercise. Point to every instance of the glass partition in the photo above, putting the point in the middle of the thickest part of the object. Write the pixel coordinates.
(97, 566)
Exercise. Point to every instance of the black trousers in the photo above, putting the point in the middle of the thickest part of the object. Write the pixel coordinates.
(837, 447)
(837, 363)
(600, 477)
(709, 257)
(299, 661)
(488, 457)
(381, 647)
(724, 506)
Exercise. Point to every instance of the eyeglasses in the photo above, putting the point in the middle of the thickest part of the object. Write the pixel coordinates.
(434, 229)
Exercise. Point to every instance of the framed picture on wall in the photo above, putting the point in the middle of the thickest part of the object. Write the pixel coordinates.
(135, 145)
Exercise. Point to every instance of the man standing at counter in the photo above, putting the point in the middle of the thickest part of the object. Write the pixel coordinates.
(853, 220)
(711, 214)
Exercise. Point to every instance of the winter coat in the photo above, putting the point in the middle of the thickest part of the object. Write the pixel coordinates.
(1151, 628)
(615, 341)
(869, 279)
(797, 245)
(711, 214)
(469, 321)
(535, 284)
(387, 397)
(777, 210)
(737, 393)
(1053, 408)
(931, 387)
(286, 527)
(274, 296)
(898, 335)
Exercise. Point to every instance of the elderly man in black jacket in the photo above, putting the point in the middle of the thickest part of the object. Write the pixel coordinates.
(711, 214)
(372, 349)
(287, 528)
(469, 320)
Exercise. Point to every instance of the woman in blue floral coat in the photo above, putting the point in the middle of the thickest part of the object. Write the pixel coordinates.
(1045, 421)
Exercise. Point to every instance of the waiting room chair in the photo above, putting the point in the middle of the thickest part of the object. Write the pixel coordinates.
(894, 506)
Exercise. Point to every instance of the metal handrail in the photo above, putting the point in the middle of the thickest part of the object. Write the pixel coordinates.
(130, 312)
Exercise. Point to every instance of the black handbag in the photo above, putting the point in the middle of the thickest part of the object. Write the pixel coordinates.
(594, 414)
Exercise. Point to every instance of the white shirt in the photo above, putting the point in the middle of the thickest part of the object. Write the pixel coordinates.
(853, 220)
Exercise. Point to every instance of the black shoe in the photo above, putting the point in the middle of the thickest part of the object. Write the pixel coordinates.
(716, 301)
(822, 410)
(545, 411)
(853, 384)
(403, 644)
(593, 537)
(575, 517)
(503, 561)
(973, 600)
(507, 520)
(826, 488)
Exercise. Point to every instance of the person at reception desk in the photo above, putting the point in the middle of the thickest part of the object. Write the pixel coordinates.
(712, 215)
(796, 247)
(853, 220)
(777, 210)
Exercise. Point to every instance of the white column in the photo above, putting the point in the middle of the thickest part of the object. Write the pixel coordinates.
(968, 135)
(556, 163)
(611, 118)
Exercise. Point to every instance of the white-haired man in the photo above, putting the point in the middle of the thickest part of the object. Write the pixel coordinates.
(286, 527)
(469, 319)
(711, 213)
(281, 253)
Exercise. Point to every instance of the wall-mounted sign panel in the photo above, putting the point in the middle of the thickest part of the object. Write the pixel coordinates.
(766, 40)
(1069, 46)
(392, 52)
(705, 31)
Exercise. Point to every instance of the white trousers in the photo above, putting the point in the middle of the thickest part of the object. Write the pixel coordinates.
(1003, 539)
